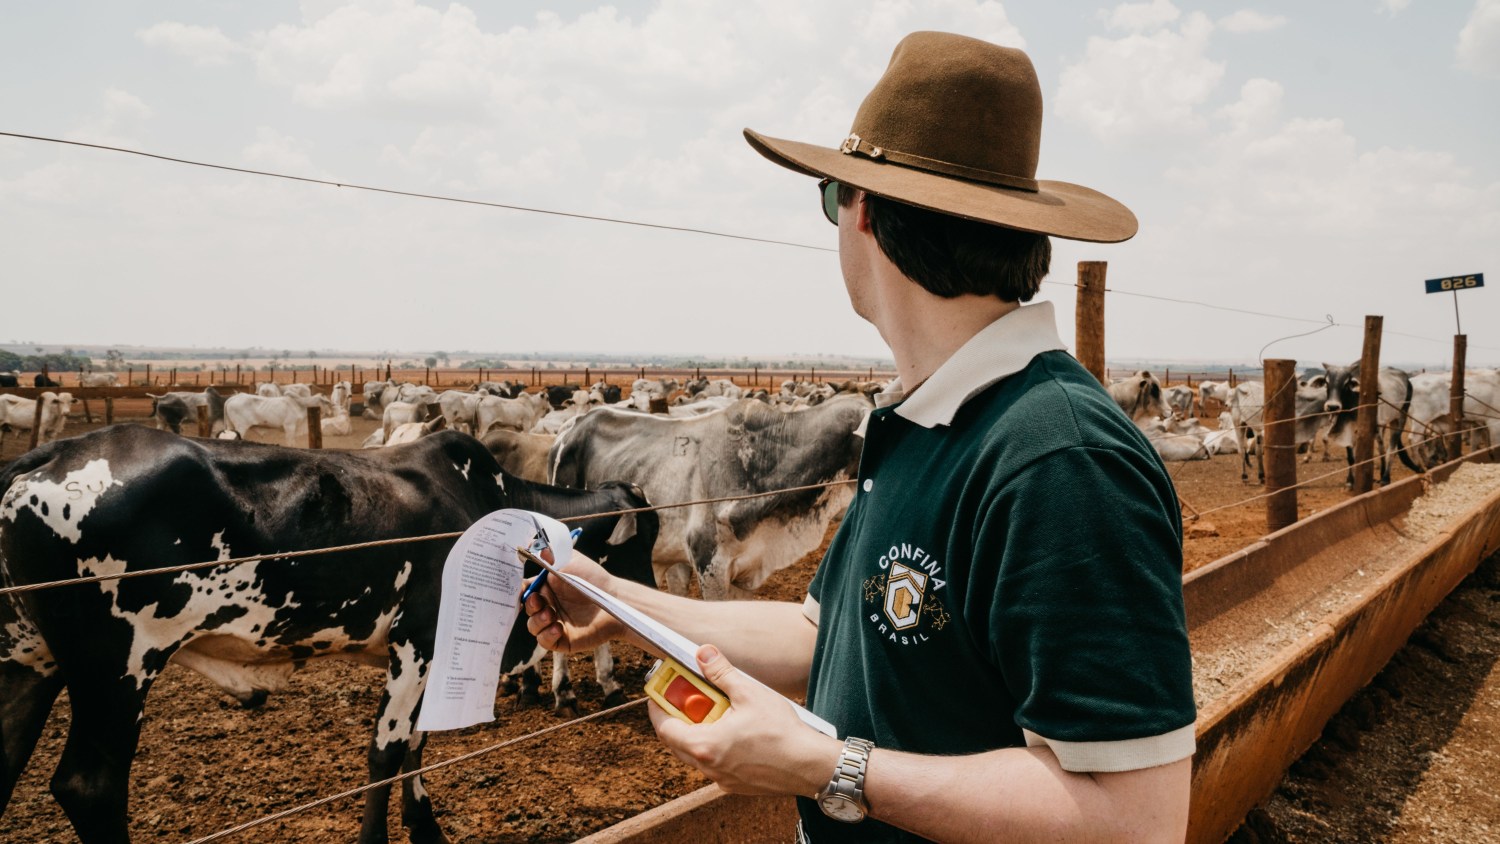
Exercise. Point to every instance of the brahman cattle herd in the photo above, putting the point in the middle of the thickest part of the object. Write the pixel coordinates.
(127, 499)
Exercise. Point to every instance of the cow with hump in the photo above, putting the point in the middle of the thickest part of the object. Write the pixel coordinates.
(130, 498)
(748, 447)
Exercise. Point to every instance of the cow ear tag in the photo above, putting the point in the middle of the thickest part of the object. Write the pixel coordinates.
(684, 695)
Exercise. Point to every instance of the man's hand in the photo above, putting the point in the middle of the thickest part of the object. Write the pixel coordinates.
(562, 619)
(758, 746)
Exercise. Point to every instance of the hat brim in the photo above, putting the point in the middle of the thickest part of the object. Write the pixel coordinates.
(1059, 209)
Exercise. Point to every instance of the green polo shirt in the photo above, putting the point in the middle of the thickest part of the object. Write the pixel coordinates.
(1009, 573)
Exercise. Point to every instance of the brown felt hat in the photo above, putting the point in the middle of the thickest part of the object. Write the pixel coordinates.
(955, 125)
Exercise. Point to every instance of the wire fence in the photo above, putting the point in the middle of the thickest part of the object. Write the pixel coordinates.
(545, 374)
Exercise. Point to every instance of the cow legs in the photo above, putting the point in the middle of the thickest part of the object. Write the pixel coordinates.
(93, 776)
(564, 701)
(26, 698)
(416, 806)
(395, 734)
(604, 672)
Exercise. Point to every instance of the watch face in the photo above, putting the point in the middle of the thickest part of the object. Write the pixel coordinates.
(840, 808)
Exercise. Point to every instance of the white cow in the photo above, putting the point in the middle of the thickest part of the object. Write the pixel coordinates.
(1247, 406)
(1140, 397)
(1216, 390)
(99, 379)
(410, 432)
(19, 414)
(1172, 444)
(399, 413)
(244, 412)
(267, 389)
(518, 414)
(299, 390)
(338, 423)
(460, 409)
(1179, 399)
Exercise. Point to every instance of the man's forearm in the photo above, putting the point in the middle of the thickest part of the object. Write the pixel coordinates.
(1022, 794)
(770, 640)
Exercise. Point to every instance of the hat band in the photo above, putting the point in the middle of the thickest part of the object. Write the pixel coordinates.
(855, 145)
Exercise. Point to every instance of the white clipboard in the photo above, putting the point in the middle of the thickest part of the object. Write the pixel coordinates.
(668, 641)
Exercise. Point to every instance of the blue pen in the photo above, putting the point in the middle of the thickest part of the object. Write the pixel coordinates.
(539, 545)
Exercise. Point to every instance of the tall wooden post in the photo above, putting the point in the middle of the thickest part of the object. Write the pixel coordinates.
(1456, 394)
(314, 427)
(1369, 398)
(1280, 413)
(1088, 340)
(109, 410)
(205, 427)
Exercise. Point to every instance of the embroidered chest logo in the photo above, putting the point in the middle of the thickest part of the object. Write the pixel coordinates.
(904, 596)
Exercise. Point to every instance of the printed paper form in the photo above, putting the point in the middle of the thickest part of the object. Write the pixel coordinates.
(481, 588)
(667, 641)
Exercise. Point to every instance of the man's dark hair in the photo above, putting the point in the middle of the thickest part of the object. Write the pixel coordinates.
(950, 256)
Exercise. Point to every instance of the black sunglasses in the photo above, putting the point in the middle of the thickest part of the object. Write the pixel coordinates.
(829, 190)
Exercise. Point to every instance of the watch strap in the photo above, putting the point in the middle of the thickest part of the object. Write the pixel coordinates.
(848, 778)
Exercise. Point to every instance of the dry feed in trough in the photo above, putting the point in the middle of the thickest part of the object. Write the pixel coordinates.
(1229, 647)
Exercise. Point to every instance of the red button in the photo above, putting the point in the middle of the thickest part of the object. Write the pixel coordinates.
(682, 694)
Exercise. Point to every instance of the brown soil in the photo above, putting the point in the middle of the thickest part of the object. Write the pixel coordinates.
(205, 764)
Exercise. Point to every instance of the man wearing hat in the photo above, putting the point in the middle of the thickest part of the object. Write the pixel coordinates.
(997, 629)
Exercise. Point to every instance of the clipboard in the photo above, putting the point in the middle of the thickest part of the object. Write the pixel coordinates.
(679, 660)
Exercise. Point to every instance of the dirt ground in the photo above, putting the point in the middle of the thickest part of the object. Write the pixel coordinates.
(205, 764)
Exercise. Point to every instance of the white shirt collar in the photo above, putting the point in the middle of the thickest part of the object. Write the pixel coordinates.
(1000, 349)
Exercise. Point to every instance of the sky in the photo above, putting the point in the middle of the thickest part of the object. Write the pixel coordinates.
(1308, 162)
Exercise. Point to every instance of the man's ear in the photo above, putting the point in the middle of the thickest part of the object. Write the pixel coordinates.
(861, 212)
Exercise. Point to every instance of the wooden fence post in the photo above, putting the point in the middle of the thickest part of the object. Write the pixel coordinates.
(1088, 340)
(1280, 413)
(314, 427)
(1456, 395)
(129, 377)
(109, 410)
(205, 428)
(148, 376)
(1369, 398)
(236, 375)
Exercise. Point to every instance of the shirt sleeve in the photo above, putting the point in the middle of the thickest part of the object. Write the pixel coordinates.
(1086, 619)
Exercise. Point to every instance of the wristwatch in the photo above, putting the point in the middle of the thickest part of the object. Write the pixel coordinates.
(843, 798)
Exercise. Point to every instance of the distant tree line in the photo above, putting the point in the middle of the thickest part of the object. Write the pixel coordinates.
(65, 361)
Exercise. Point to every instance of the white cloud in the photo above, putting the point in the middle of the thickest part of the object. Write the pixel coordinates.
(1249, 20)
(120, 105)
(1394, 7)
(1142, 84)
(206, 46)
(1141, 17)
(272, 150)
(1259, 104)
(1479, 41)
(1310, 177)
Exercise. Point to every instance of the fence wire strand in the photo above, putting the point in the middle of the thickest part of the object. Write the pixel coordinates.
(464, 757)
(377, 543)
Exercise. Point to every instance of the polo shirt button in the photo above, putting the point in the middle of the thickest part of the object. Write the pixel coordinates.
(869, 484)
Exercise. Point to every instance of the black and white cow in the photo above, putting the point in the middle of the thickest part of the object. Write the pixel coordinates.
(748, 447)
(1394, 392)
(172, 409)
(130, 498)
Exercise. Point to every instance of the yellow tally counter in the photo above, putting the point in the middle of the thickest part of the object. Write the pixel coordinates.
(683, 694)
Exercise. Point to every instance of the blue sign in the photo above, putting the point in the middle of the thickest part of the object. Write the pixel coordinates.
(1458, 282)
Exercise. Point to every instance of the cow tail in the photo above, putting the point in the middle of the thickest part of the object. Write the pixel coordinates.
(1399, 428)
